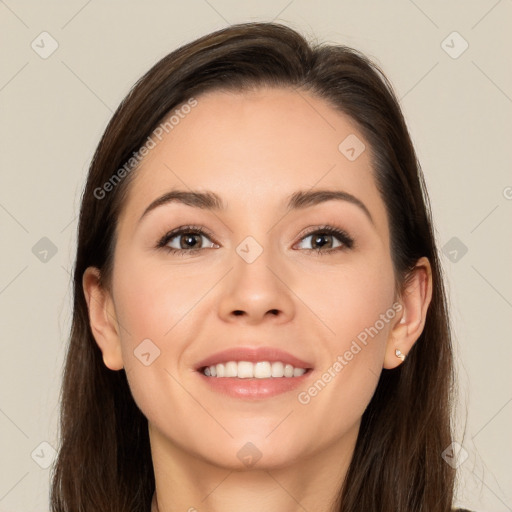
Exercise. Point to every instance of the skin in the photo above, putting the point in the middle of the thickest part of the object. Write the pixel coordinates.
(254, 149)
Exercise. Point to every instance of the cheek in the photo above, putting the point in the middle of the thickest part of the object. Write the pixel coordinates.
(348, 300)
(156, 306)
(356, 308)
(156, 300)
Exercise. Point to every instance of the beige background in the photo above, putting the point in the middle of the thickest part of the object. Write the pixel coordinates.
(54, 110)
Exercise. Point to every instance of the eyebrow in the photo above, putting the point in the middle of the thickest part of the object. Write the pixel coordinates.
(299, 200)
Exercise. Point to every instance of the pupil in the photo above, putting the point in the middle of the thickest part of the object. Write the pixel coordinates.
(318, 240)
(189, 239)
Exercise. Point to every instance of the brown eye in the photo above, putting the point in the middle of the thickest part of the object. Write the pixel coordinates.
(185, 239)
(327, 240)
(188, 240)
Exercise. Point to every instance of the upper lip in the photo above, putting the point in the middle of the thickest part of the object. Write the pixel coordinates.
(253, 354)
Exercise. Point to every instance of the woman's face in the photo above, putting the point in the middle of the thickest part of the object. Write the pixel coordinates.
(264, 276)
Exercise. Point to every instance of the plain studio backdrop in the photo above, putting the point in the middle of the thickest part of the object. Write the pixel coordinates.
(67, 65)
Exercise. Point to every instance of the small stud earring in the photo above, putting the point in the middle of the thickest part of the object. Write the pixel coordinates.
(399, 354)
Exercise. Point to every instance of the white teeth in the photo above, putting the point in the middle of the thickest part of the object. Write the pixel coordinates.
(248, 370)
(245, 370)
(220, 370)
(277, 369)
(231, 369)
(262, 370)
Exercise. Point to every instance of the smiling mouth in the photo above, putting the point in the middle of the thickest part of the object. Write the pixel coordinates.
(250, 370)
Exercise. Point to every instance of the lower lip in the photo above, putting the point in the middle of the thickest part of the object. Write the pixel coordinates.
(253, 389)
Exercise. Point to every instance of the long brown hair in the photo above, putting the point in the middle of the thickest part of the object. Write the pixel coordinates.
(104, 462)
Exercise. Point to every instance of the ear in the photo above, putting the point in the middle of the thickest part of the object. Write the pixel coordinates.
(102, 319)
(410, 321)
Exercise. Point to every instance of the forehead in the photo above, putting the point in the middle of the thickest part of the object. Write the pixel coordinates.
(255, 149)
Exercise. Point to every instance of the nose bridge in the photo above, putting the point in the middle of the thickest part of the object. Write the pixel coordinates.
(253, 260)
(252, 229)
(257, 248)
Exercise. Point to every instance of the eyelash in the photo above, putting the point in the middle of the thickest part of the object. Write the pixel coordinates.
(346, 241)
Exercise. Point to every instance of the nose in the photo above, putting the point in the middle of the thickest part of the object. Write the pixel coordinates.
(256, 291)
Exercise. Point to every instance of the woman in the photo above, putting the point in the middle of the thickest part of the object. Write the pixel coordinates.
(259, 319)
